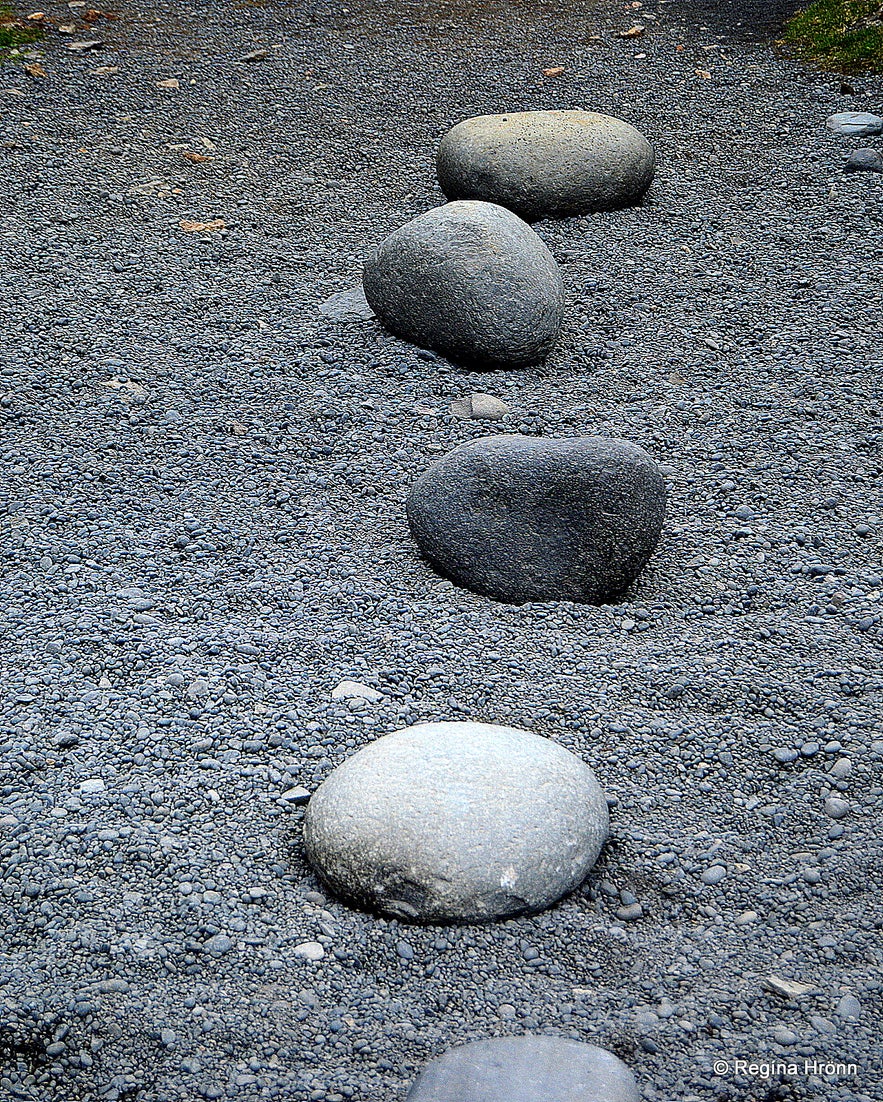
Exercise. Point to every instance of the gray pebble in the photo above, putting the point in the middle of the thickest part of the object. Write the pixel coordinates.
(836, 808)
(849, 1008)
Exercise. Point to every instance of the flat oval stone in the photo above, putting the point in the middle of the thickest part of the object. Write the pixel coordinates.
(456, 822)
(523, 519)
(526, 1069)
(856, 124)
(469, 280)
(546, 164)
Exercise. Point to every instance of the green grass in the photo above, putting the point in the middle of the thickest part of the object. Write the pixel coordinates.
(14, 32)
(843, 35)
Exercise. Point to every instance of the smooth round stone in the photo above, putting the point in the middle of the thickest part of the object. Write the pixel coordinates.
(836, 808)
(456, 822)
(526, 1069)
(855, 124)
(471, 281)
(523, 519)
(546, 164)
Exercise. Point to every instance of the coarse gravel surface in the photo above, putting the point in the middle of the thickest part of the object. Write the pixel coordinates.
(204, 480)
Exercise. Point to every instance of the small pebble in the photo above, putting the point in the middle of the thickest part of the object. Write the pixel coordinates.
(355, 690)
(849, 1008)
(309, 950)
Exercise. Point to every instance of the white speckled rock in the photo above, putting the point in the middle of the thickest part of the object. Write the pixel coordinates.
(457, 822)
(526, 1069)
(546, 164)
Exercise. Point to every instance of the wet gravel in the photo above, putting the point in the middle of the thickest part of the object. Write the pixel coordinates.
(203, 533)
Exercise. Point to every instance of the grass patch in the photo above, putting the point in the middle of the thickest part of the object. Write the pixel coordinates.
(14, 32)
(844, 35)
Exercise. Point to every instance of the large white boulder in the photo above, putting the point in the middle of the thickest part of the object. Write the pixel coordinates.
(456, 822)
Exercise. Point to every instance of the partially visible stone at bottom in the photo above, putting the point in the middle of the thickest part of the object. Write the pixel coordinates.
(526, 1069)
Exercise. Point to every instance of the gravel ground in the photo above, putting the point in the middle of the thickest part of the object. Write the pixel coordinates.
(203, 509)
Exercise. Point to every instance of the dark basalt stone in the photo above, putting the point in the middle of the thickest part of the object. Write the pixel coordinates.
(864, 160)
(521, 519)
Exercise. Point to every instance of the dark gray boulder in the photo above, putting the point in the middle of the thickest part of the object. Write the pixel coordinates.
(526, 1069)
(469, 280)
(546, 164)
(864, 160)
(524, 519)
(456, 822)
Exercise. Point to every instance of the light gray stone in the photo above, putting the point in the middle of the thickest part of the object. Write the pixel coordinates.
(856, 124)
(469, 280)
(836, 808)
(785, 988)
(198, 688)
(312, 951)
(714, 874)
(355, 690)
(479, 407)
(526, 1069)
(347, 304)
(523, 519)
(546, 164)
(218, 945)
(457, 822)
(849, 1008)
